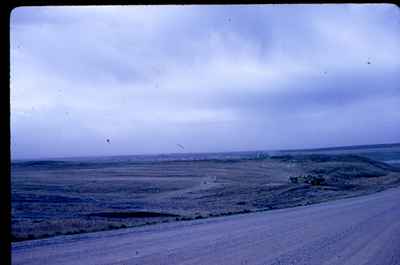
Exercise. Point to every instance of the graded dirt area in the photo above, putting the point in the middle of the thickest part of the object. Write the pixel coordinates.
(52, 198)
(355, 231)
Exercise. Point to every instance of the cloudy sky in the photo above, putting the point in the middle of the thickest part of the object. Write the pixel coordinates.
(209, 78)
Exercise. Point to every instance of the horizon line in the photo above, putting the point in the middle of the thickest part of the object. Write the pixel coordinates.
(359, 146)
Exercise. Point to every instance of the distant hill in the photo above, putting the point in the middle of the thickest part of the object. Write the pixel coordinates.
(350, 147)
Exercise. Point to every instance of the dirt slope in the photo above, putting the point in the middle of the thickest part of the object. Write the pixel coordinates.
(362, 230)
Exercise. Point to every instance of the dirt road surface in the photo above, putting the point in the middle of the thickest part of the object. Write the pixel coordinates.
(362, 230)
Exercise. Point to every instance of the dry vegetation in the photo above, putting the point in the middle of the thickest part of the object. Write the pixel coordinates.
(54, 198)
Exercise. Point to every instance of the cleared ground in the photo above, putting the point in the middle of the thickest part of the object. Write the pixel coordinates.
(52, 198)
(355, 231)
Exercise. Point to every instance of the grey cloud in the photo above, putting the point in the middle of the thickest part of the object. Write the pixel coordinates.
(214, 78)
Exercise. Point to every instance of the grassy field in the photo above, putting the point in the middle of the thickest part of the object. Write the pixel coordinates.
(59, 197)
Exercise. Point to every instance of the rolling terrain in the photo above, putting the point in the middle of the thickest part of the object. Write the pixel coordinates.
(70, 196)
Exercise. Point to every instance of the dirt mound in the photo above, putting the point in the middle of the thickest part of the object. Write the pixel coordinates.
(324, 158)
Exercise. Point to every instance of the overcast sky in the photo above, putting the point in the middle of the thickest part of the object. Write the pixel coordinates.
(156, 79)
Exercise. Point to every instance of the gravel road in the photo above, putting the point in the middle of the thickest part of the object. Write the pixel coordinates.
(362, 230)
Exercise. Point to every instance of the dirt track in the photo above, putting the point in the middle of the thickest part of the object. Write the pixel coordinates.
(363, 230)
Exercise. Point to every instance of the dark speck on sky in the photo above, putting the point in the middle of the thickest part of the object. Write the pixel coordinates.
(180, 146)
